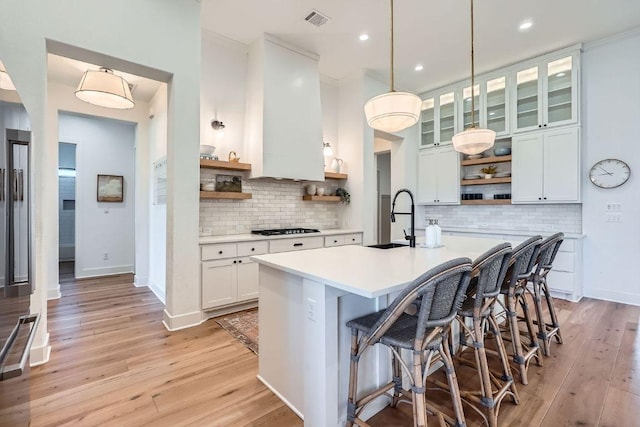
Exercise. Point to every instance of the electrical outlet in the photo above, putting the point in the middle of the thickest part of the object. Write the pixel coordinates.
(614, 217)
(311, 309)
(105, 257)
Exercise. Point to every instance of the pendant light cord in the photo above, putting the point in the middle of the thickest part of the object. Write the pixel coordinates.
(473, 88)
(392, 77)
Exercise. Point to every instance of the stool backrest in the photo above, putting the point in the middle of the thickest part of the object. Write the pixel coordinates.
(439, 293)
(488, 271)
(523, 258)
(548, 250)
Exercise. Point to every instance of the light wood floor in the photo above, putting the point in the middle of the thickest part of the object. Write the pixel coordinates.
(113, 363)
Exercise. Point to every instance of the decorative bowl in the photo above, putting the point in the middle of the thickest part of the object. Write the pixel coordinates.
(474, 156)
(207, 150)
(502, 151)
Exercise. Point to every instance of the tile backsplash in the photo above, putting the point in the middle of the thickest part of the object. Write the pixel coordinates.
(566, 217)
(274, 204)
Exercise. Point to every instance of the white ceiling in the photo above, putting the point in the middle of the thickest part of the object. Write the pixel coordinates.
(433, 33)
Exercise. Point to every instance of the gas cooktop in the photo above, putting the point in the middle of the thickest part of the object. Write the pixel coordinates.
(280, 231)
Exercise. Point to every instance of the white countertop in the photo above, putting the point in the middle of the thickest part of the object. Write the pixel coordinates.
(504, 231)
(229, 238)
(372, 272)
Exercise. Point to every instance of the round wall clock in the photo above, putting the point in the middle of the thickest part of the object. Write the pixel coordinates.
(609, 173)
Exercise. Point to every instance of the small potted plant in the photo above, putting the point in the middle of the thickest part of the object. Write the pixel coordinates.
(488, 171)
(345, 197)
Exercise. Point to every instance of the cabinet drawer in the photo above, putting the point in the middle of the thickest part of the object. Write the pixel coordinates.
(564, 262)
(353, 239)
(295, 244)
(219, 251)
(333, 241)
(253, 248)
(561, 281)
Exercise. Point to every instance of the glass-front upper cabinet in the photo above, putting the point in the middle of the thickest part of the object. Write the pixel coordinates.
(496, 108)
(428, 122)
(439, 119)
(466, 106)
(447, 117)
(546, 93)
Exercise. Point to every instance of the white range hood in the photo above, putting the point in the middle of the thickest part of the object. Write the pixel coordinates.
(283, 127)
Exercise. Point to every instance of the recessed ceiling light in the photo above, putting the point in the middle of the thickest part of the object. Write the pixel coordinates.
(364, 37)
(419, 67)
(525, 25)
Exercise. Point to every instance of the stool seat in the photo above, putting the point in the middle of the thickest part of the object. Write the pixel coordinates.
(469, 305)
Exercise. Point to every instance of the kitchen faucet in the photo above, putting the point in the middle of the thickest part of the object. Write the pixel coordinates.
(412, 237)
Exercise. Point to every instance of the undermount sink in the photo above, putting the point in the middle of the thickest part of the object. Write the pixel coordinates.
(388, 246)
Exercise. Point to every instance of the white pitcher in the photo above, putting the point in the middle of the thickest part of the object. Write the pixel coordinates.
(335, 164)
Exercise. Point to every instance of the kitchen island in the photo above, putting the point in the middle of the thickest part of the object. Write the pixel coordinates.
(305, 300)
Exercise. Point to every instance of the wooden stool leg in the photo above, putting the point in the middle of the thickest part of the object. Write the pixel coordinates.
(453, 384)
(552, 311)
(397, 378)
(417, 392)
(483, 372)
(353, 380)
(518, 356)
(504, 358)
(542, 329)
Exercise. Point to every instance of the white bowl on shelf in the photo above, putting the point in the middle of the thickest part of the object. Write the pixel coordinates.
(207, 150)
(503, 174)
(474, 156)
(471, 177)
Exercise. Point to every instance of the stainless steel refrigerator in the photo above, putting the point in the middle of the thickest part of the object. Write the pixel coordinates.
(17, 323)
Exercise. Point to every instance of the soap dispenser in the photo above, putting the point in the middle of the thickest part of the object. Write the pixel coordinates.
(438, 232)
(430, 235)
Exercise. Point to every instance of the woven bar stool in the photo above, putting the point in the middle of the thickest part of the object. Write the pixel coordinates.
(438, 294)
(488, 275)
(514, 289)
(548, 251)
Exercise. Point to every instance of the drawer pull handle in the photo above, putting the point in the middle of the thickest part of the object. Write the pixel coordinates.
(335, 241)
(235, 262)
(240, 262)
(298, 244)
(219, 252)
(253, 249)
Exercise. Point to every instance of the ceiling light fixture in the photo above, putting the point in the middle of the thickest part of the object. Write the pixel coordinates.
(364, 37)
(393, 111)
(105, 89)
(525, 25)
(419, 67)
(5, 80)
(473, 140)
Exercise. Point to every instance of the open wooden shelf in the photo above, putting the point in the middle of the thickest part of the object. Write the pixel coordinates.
(486, 202)
(485, 181)
(224, 195)
(486, 160)
(334, 175)
(220, 164)
(321, 198)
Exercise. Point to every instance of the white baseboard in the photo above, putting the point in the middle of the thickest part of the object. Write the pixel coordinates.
(54, 293)
(40, 355)
(159, 292)
(614, 296)
(104, 271)
(182, 321)
(140, 281)
(281, 397)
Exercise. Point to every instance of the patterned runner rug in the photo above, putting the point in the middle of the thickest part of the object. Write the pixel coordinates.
(243, 326)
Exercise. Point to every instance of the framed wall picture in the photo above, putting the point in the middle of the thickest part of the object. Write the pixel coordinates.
(110, 188)
(229, 183)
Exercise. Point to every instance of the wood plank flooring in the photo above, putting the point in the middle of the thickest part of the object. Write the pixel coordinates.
(114, 364)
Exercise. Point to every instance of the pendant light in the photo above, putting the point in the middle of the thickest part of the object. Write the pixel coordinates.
(473, 140)
(393, 111)
(105, 89)
(5, 80)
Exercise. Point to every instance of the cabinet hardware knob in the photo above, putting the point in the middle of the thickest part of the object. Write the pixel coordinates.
(240, 262)
(220, 253)
(545, 198)
(545, 125)
(235, 262)
(335, 241)
(253, 249)
(539, 126)
(539, 198)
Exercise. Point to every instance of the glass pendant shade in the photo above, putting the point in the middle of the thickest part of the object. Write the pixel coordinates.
(474, 140)
(393, 111)
(105, 89)
(5, 80)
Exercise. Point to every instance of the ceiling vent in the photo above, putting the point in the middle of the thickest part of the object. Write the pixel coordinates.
(317, 18)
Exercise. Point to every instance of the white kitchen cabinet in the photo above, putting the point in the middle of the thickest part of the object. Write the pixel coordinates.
(491, 104)
(546, 167)
(439, 120)
(228, 275)
(439, 176)
(546, 93)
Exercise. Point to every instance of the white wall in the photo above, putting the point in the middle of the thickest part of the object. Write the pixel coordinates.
(157, 227)
(610, 107)
(105, 147)
(166, 44)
